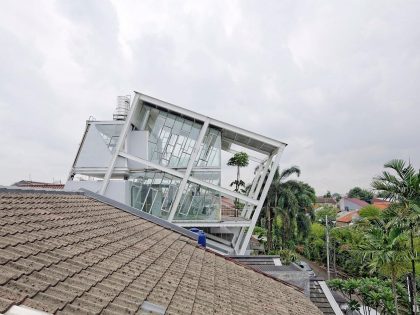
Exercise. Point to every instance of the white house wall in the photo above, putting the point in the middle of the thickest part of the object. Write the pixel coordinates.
(118, 190)
(137, 145)
(94, 153)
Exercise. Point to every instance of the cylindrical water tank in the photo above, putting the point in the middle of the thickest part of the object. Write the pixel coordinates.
(123, 106)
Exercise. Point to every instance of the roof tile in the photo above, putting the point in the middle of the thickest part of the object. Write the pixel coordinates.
(67, 253)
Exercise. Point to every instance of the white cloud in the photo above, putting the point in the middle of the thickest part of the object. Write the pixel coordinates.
(337, 81)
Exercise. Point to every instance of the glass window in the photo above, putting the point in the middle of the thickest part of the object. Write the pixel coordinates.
(172, 138)
(199, 203)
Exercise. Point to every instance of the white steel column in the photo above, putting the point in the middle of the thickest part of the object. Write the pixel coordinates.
(120, 142)
(251, 191)
(261, 202)
(254, 195)
(190, 165)
(260, 183)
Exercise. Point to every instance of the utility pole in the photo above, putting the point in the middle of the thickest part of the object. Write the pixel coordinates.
(328, 246)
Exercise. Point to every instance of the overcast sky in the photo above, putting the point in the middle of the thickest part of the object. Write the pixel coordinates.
(339, 81)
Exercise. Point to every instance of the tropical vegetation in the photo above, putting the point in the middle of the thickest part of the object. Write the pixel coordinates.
(378, 252)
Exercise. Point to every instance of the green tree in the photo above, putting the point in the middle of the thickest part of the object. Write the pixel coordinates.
(387, 251)
(329, 211)
(401, 185)
(327, 195)
(271, 201)
(370, 212)
(360, 193)
(239, 160)
(295, 207)
(336, 196)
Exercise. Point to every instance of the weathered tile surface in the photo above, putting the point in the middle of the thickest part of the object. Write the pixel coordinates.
(67, 253)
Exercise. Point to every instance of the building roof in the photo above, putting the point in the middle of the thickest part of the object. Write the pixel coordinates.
(348, 218)
(380, 203)
(31, 184)
(63, 252)
(325, 200)
(356, 201)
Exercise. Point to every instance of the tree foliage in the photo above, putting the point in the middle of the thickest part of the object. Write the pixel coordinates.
(370, 212)
(239, 159)
(360, 193)
(329, 211)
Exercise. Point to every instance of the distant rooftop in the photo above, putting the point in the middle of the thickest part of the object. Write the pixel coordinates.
(31, 184)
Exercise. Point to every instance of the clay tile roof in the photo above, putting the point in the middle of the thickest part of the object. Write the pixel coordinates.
(348, 217)
(81, 253)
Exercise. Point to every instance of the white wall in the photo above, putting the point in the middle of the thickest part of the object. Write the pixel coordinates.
(118, 190)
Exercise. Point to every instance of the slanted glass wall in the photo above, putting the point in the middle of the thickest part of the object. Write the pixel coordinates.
(210, 150)
(172, 139)
(171, 142)
(199, 203)
(154, 192)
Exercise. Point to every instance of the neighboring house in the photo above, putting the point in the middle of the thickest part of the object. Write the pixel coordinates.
(346, 218)
(324, 201)
(349, 204)
(82, 253)
(380, 203)
(42, 185)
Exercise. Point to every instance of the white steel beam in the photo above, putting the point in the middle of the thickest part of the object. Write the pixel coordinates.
(254, 194)
(260, 183)
(223, 191)
(213, 122)
(260, 203)
(190, 165)
(120, 143)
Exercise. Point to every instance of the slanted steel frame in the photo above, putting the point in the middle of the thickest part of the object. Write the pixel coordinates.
(252, 199)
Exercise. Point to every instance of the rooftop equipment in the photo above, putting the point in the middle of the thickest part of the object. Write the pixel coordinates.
(123, 106)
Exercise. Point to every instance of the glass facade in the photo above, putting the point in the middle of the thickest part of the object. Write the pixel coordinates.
(171, 143)
(171, 138)
(154, 192)
(199, 203)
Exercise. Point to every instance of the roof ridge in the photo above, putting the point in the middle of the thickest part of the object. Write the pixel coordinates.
(138, 213)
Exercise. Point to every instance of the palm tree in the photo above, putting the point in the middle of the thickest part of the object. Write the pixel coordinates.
(291, 201)
(239, 159)
(403, 189)
(387, 249)
(277, 188)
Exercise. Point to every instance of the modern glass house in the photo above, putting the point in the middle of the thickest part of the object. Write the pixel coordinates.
(166, 160)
